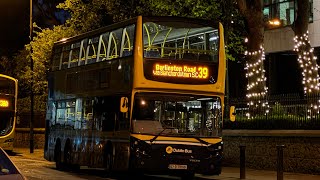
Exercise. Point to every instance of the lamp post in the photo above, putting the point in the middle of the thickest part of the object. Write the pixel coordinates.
(31, 84)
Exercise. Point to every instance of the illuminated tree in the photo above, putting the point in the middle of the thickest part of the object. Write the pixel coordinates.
(306, 58)
(256, 87)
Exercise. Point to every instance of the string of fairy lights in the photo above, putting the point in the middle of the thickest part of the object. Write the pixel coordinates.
(256, 87)
(308, 63)
(255, 73)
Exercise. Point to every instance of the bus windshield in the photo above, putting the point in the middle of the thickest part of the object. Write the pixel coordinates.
(177, 115)
(180, 40)
(7, 86)
(6, 123)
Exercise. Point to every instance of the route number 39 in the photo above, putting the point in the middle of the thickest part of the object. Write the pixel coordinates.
(203, 72)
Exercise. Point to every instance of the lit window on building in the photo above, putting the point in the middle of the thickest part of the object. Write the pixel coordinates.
(279, 13)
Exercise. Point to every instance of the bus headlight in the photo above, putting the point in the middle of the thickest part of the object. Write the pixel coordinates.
(216, 147)
(141, 148)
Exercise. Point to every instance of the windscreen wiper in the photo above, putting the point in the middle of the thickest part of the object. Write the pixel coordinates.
(197, 138)
(201, 141)
(156, 136)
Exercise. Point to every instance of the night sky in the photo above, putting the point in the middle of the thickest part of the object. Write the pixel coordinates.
(14, 18)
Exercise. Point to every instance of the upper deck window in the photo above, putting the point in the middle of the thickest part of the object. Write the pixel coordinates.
(177, 40)
(75, 51)
(56, 57)
(65, 56)
(109, 45)
(114, 44)
(92, 49)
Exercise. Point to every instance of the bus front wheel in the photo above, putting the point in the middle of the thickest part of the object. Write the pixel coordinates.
(138, 173)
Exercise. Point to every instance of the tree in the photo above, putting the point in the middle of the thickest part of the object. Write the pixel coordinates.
(7, 66)
(257, 90)
(86, 15)
(41, 52)
(306, 57)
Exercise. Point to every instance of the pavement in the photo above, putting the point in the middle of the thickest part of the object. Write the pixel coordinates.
(38, 154)
(228, 173)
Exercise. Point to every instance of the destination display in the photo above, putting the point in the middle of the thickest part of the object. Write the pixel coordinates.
(4, 103)
(181, 72)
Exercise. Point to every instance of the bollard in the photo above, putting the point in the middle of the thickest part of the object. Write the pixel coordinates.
(242, 161)
(280, 162)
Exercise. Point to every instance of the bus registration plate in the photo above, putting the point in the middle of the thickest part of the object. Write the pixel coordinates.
(177, 166)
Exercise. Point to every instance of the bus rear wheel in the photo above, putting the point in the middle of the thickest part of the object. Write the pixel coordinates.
(108, 160)
(68, 159)
(57, 157)
(67, 156)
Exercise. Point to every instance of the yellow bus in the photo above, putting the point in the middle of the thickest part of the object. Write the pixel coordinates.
(145, 95)
(8, 110)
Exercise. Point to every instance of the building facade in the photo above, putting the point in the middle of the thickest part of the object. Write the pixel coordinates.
(284, 76)
(283, 72)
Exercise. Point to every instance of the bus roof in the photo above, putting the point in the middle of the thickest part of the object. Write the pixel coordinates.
(8, 77)
(186, 20)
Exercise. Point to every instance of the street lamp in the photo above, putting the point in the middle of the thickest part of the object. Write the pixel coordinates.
(275, 22)
(31, 84)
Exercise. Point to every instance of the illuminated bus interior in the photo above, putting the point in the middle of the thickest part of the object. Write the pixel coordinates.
(180, 40)
(177, 115)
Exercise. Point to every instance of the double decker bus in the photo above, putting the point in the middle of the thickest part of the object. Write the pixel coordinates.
(8, 110)
(146, 94)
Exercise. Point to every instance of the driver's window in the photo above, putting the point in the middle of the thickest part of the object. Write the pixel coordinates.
(145, 109)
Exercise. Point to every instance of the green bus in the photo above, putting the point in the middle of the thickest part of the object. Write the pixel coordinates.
(8, 110)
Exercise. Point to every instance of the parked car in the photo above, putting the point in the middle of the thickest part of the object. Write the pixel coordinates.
(8, 170)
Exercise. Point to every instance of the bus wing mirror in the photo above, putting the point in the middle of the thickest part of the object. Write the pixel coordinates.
(232, 113)
(124, 104)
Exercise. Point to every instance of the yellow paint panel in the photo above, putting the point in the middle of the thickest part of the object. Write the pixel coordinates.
(212, 140)
(140, 82)
(185, 139)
